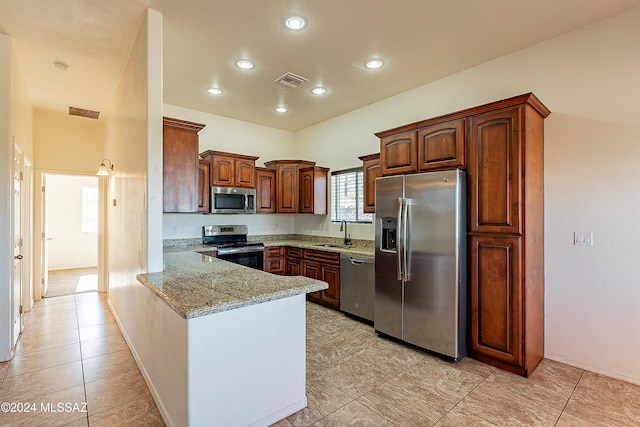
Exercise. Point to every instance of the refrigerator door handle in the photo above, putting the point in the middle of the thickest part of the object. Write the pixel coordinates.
(405, 223)
(399, 247)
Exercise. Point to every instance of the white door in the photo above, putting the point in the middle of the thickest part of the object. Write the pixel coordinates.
(16, 293)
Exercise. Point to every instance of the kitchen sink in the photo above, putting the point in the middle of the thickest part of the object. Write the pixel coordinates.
(331, 245)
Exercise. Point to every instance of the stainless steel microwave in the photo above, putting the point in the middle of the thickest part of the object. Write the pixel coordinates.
(233, 200)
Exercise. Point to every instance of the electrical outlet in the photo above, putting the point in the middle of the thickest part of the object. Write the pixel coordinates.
(583, 238)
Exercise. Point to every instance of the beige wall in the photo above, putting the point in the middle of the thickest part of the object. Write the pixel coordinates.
(65, 143)
(591, 147)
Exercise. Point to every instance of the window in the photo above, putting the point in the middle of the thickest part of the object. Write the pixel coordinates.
(347, 196)
(89, 209)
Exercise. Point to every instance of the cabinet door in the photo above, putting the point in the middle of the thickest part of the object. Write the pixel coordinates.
(222, 171)
(306, 191)
(312, 270)
(371, 171)
(331, 295)
(204, 192)
(494, 172)
(495, 298)
(180, 166)
(265, 190)
(245, 173)
(312, 183)
(399, 153)
(441, 146)
(294, 267)
(287, 188)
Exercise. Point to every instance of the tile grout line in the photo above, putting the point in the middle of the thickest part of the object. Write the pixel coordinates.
(84, 382)
(570, 395)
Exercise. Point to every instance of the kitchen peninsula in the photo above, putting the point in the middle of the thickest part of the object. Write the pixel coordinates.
(219, 343)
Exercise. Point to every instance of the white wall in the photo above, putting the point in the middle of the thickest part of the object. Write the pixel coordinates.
(70, 247)
(591, 151)
(234, 136)
(15, 127)
(6, 235)
(134, 138)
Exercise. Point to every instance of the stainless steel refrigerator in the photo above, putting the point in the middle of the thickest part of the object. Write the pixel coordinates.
(420, 260)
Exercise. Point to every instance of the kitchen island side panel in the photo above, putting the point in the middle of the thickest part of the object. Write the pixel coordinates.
(157, 338)
(247, 366)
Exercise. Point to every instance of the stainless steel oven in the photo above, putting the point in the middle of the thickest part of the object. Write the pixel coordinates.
(231, 245)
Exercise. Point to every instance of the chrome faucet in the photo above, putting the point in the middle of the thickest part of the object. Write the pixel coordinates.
(347, 240)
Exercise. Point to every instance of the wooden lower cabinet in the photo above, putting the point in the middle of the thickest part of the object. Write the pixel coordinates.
(320, 265)
(323, 266)
(494, 298)
(274, 260)
(293, 261)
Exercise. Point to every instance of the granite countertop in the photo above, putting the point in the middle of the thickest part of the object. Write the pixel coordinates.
(195, 285)
(361, 248)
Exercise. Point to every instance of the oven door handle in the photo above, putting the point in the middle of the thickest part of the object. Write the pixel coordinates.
(231, 251)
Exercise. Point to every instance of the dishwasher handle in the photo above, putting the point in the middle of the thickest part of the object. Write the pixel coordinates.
(357, 261)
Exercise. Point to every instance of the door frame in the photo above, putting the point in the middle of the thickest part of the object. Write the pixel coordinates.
(40, 232)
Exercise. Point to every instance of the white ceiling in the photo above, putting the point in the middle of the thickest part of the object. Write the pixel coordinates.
(419, 40)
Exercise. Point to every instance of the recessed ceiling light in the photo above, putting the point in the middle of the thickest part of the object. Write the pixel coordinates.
(244, 64)
(281, 110)
(60, 65)
(295, 23)
(374, 64)
(215, 91)
(319, 90)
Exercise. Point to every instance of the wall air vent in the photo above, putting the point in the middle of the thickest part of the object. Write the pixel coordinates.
(290, 80)
(73, 111)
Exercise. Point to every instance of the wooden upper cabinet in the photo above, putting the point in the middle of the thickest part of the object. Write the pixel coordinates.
(288, 183)
(398, 153)
(441, 146)
(313, 190)
(371, 171)
(204, 194)
(231, 169)
(180, 165)
(494, 171)
(245, 172)
(265, 190)
(222, 170)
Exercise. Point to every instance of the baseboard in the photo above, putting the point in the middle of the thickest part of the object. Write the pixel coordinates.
(281, 414)
(610, 374)
(154, 393)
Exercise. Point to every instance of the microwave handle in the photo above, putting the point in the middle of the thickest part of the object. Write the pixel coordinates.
(246, 202)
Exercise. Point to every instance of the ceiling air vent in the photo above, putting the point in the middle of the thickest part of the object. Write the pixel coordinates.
(290, 80)
(73, 111)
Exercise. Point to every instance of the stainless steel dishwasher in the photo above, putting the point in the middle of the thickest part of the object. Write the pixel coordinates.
(357, 285)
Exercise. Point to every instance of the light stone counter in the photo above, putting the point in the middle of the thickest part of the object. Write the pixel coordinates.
(359, 247)
(196, 285)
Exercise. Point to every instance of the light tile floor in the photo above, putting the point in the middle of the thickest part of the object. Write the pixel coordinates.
(72, 351)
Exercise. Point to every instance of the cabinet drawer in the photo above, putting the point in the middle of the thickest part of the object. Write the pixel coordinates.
(322, 256)
(273, 251)
(294, 252)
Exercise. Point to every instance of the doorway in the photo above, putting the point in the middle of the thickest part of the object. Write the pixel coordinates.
(70, 244)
